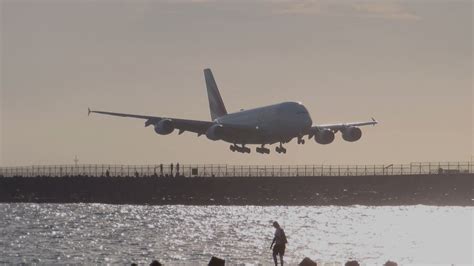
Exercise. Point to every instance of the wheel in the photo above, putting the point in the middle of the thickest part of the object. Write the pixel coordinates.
(302, 142)
(232, 148)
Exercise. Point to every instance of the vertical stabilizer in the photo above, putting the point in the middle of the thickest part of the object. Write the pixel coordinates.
(216, 105)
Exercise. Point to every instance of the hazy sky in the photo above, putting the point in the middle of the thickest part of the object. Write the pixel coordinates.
(407, 63)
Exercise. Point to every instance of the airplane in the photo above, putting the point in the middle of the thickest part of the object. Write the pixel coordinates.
(277, 123)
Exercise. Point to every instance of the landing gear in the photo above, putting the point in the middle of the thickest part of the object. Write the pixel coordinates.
(263, 150)
(242, 149)
(300, 140)
(280, 149)
(245, 149)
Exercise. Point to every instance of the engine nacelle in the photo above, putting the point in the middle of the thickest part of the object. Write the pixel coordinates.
(351, 134)
(324, 136)
(214, 132)
(164, 127)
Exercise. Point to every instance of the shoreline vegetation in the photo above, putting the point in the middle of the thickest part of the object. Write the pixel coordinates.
(437, 189)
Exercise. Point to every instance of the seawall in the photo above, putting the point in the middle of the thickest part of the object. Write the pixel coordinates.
(438, 189)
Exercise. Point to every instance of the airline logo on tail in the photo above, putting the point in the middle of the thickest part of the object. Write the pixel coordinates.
(216, 104)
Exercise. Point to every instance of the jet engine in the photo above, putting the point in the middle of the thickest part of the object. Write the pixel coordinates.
(324, 136)
(214, 132)
(164, 127)
(351, 134)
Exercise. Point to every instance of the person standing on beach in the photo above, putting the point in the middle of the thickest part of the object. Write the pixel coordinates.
(280, 243)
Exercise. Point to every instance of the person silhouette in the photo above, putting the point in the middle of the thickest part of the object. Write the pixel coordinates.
(280, 242)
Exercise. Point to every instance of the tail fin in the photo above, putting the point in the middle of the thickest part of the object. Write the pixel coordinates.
(216, 105)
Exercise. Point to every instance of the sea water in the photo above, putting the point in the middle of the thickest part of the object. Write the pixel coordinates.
(177, 234)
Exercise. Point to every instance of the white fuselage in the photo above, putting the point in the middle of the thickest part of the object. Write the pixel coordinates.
(278, 123)
(274, 123)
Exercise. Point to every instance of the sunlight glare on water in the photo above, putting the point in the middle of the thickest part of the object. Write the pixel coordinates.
(99, 233)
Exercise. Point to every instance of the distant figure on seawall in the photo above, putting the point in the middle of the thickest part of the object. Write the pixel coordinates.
(280, 243)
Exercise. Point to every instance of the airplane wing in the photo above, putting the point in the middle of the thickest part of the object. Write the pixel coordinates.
(337, 127)
(196, 126)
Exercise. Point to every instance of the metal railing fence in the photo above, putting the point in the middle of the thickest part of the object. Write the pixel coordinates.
(219, 170)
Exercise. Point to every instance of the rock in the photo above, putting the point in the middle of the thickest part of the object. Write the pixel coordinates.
(155, 263)
(307, 262)
(390, 263)
(352, 263)
(216, 262)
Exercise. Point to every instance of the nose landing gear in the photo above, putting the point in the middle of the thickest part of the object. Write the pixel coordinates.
(300, 140)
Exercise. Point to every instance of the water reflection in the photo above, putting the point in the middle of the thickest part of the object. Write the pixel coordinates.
(98, 233)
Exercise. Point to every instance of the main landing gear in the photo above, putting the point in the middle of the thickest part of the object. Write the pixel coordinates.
(242, 149)
(263, 150)
(280, 149)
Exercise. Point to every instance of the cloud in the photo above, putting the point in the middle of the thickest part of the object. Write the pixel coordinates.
(380, 9)
(372, 9)
(384, 10)
(305, 7)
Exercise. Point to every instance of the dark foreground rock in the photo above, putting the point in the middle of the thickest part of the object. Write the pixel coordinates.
(334, 190)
